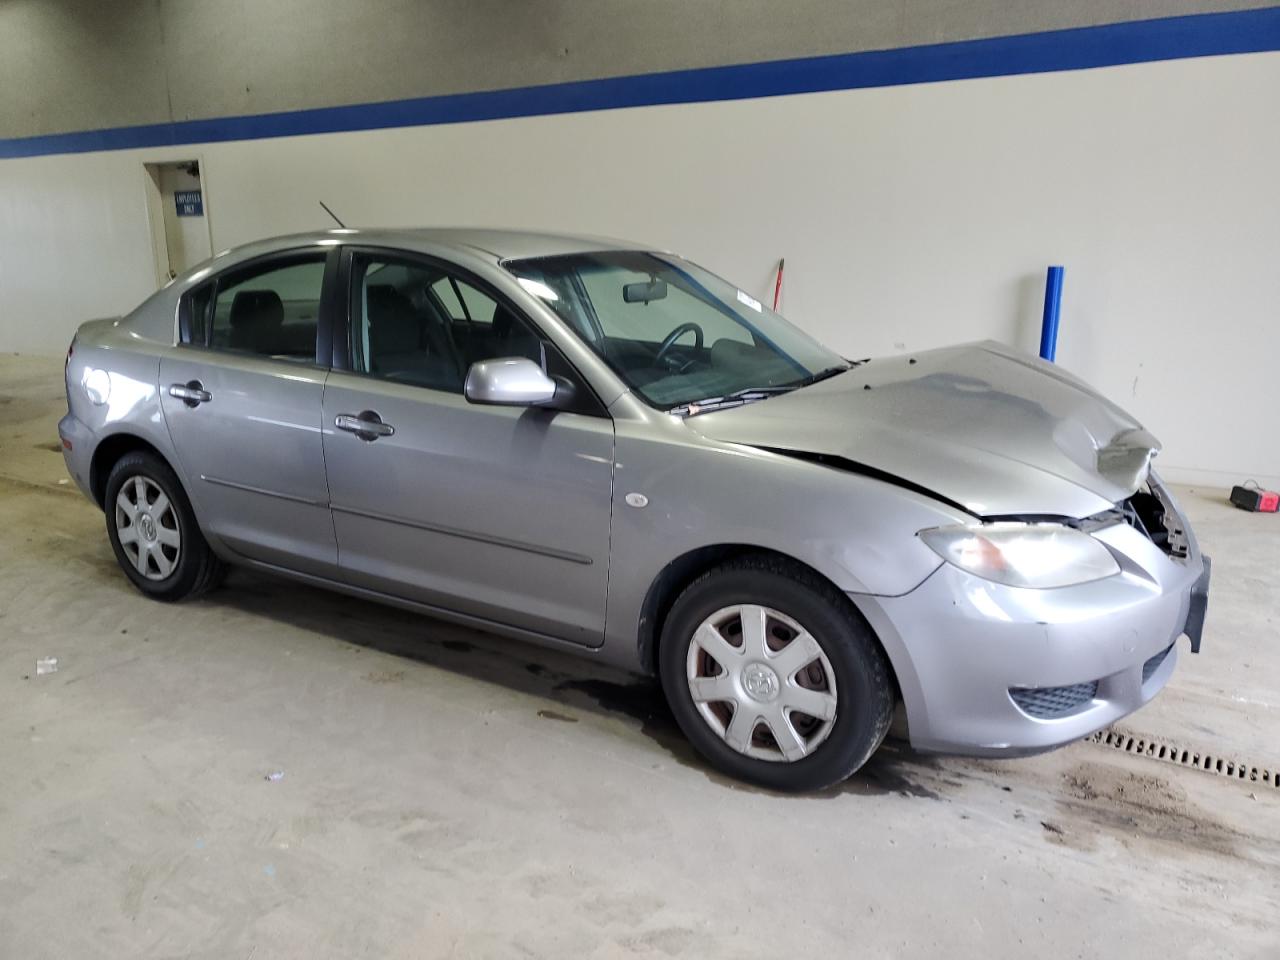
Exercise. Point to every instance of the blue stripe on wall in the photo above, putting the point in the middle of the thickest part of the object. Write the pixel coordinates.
(1201, 35)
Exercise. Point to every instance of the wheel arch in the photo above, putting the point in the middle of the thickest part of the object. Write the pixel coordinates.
(108, 453)
(683, 570)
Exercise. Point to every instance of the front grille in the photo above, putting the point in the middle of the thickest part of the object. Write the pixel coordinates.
(1153, 664)
(1044, 703)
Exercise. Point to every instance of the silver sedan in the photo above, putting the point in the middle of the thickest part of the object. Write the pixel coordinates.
(591, 445)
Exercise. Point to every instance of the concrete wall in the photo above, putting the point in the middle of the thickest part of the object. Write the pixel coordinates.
(84, 64)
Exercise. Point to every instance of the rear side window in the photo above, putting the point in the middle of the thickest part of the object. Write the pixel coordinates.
(271, 310)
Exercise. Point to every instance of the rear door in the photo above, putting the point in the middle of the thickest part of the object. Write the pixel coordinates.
(242, 397)
(500, 513)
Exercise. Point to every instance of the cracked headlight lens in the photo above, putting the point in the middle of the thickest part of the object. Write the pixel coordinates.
(1036, 555)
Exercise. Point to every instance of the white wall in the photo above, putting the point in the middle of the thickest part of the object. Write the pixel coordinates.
(910, 217)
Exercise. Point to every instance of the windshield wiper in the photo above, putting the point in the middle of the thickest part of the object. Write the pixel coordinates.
(826, 374)
(751, 394)
(736, 399)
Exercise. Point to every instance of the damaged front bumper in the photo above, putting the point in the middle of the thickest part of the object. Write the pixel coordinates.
(990, 669)
(1199, 606)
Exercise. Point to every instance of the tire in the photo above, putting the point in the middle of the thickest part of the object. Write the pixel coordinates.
(158, 544)
(851, 692)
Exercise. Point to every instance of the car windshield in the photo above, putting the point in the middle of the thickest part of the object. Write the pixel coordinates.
(681, 337)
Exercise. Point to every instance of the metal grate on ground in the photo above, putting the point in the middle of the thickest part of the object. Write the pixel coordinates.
(1158, 749)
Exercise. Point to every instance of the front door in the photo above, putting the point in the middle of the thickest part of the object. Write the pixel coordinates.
(499, 513)
(242, 398)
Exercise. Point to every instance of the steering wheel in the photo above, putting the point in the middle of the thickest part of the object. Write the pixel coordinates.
(670, 339)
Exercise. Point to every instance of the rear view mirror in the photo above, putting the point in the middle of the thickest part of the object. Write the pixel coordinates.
(644, 292)
(510, 382)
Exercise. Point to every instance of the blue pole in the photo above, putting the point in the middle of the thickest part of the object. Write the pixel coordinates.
(1052, 305)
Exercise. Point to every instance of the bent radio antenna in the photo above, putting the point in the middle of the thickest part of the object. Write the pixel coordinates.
(332, 214)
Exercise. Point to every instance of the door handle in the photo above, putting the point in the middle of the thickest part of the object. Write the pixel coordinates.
(366, 425)
(192, 393)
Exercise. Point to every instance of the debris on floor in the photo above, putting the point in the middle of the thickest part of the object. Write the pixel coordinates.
(274, 775)
(46, 665)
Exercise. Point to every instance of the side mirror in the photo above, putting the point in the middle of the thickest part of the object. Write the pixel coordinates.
(510, 382)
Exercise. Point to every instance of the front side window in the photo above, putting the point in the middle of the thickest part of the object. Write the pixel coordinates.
(675, 333)
(270, 310)
(415, 323)
(463, 302)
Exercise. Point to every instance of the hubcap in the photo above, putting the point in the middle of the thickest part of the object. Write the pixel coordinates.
(762, 682)
(147, 527)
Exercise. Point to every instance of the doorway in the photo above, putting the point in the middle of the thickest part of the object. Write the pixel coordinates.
(176, 206)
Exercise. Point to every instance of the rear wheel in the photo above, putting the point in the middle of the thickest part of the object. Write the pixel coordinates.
(774, 677)
(153, 530)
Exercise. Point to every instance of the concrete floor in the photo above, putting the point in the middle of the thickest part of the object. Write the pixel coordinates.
(450, 794)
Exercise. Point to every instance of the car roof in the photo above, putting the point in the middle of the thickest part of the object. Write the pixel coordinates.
(497, 243)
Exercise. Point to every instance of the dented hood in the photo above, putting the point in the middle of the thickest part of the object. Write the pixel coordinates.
(987, 427)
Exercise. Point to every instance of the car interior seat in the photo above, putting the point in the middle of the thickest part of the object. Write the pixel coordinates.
(256, 319)
(406, 345)
(511, 338)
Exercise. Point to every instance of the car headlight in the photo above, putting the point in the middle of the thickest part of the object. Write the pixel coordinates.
(1037, 555)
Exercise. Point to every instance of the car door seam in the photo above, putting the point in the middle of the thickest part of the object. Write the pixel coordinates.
(608, 562)
(324, 462)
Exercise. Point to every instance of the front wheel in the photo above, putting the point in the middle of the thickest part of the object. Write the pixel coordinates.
(774, 677)
(153, 530)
